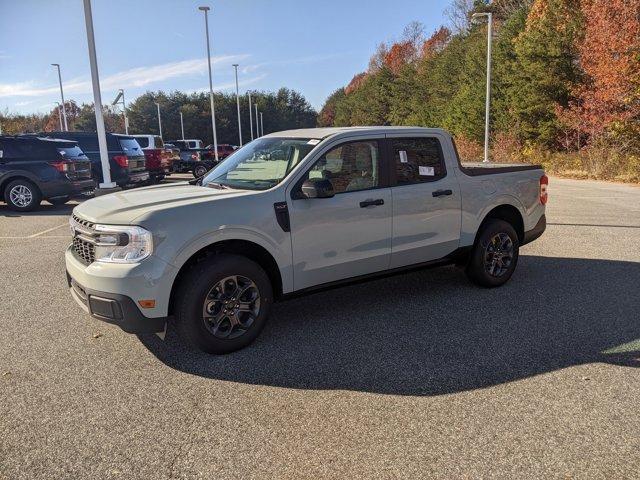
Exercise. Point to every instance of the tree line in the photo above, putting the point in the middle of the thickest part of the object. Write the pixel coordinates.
(282, 110)
(565, 84)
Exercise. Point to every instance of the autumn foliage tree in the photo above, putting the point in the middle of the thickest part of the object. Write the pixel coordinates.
(609, 97)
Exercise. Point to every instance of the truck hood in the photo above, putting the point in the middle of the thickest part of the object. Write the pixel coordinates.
(123, 208)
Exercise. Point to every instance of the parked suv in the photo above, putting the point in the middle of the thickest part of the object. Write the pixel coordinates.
(34, 168)
(158, 158)
(126, 158)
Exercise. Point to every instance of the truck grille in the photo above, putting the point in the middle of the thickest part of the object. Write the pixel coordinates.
(84, 246)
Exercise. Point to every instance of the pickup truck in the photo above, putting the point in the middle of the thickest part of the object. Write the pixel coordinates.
(292, 212)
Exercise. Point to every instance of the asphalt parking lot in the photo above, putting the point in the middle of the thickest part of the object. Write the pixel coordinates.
(417, 375)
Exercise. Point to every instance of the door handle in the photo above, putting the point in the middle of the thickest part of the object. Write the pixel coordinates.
(370, 203)
(442, 193)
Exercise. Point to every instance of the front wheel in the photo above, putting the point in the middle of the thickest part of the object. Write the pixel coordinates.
(222, 303)
(495, 254)
(199, 171)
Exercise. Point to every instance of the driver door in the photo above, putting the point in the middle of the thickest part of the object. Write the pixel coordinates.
(349, 234)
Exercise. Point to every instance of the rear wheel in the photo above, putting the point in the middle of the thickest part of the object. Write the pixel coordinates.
(222, 303)
(22, 195)
(59, 200)
(495, 254)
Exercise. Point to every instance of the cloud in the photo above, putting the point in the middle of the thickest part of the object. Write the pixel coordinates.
(292, 61)
(135, 77)
(230, 85)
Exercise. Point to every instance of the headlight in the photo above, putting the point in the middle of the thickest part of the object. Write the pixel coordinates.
(122, 244)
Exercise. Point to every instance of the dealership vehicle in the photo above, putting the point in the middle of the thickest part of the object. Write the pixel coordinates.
(292, 212)
(33, 169)
(126, 158)
(158, 159)
(224, 150)
(193, 158)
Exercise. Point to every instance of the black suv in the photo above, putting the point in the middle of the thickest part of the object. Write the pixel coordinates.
(126, 158)
(34, 168)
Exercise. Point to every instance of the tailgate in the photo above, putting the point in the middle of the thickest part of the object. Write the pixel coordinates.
(136, 163)
(79, 169)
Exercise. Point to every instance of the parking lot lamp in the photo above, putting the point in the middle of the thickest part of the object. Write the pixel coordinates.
(257, 122)
(159, 119)
(261, 126)
(213, 108)
(250, 115)
(64, 111)
(97, 100)
(181, 125)
(235, 65)
(59, 115)
(489, 16)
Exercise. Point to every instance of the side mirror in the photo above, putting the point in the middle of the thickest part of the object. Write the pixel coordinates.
(318, 188)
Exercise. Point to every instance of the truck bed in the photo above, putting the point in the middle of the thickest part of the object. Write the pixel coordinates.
(476, 169)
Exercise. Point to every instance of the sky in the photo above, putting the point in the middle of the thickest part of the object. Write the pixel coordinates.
(310, 46)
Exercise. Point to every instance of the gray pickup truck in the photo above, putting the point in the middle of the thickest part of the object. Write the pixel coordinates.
(292, 212)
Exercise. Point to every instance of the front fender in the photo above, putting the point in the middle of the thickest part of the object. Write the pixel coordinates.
(280, 255)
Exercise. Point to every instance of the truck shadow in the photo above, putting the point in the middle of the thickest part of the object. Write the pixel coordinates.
(430, 332)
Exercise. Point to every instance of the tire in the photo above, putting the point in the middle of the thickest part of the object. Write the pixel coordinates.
(199, 171)
(22, 195)
(208, 287)
(59, 200)
(495, 254)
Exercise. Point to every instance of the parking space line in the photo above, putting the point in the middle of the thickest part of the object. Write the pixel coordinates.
(46, 231)
(30, 237)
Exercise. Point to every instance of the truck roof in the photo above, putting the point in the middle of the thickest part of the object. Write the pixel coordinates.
(330, 131)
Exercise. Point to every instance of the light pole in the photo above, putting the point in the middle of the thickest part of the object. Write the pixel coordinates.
(64, 110)
(235, 65)
(250, 116)
(106, 185)
(261, 126)
(59, 115)
(159, 119)
(213, 108)
(257, 124)
(487, 103)
(124, 110)
(182, 125)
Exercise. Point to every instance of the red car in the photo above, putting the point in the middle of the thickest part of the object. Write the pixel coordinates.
(158, 159)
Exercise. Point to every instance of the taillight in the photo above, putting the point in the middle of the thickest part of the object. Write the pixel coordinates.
(544, 184)
(121, 160)
(61, 166)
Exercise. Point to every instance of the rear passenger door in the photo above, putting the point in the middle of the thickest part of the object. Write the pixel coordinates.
(426, 201)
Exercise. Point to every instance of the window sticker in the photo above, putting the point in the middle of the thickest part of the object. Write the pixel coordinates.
(403, 157)
(426, 171)
(313, 141)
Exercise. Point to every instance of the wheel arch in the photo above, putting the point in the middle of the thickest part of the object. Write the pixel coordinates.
(508, 213)
(245, 248)
(7, 179)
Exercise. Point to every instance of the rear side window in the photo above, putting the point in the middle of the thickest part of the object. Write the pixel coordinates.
(143, 141)
(130, 147)
(28, 149)
(71, 152)
(158, 142)
(418, 160)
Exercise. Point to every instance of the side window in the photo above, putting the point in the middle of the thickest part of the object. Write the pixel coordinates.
(143, 141)
(350, 167)
(418, 160)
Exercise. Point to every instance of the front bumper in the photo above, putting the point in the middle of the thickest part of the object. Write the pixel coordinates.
(110, 292)
(114, 308)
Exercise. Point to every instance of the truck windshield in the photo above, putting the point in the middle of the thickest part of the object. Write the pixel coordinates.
(261, 164)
